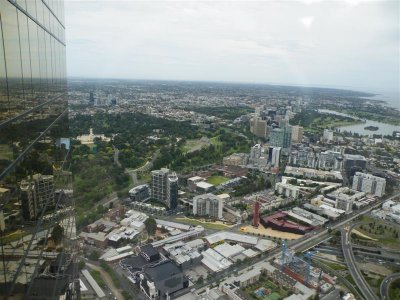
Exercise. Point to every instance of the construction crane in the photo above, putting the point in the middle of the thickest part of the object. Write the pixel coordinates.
(307, 257)
(284, 248)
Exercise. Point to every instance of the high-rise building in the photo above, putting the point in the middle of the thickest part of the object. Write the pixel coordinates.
(281, 137)
(172, 191)
(91, 98)
(34, 151)
(369, 184)
(208, 205)
(37, 191)
(258, 127)
(353, 163)
(164, 187)
(330, 160)
(297, 134)
(274, 155)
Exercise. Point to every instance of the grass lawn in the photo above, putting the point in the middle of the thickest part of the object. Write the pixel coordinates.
(394, 289)
(215, 141)
(194, 145)
(206, 225)
(334, 266)
(276, 292)
(217, 179)
(13, 236)
(380, 231)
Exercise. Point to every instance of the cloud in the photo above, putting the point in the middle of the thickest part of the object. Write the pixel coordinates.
(349, 45)
(307, 22)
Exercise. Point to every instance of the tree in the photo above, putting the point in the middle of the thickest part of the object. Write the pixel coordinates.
(151, 225)
(94, 255)
(57, 233)
(82, 264)
(200, 280)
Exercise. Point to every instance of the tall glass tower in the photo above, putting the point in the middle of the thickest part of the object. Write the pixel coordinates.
(37, 223)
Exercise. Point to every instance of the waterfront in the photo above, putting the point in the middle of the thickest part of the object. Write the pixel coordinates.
(385, 129)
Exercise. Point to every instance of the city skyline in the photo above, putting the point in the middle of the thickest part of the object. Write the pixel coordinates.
(355, 46)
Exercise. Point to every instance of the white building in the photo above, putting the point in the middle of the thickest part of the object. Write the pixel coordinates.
(274, 156)
(328, 135)
(287, 190)
(369, 184)
(345, 203)
(88, 139)
(208, 205)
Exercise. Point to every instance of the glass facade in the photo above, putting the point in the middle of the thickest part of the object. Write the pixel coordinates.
(37, 223)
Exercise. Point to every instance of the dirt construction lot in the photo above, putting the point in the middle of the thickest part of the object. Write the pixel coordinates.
(270, 232)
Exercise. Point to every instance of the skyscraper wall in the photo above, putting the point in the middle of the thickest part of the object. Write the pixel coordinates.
(34, 149)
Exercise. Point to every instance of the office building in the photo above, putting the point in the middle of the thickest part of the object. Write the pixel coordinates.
(208, 205)
(164, 187)
(297, 134)
(281, 137)
(353, 163)
(274, 155)
(369, 184)
(34, 150)
(258, 127)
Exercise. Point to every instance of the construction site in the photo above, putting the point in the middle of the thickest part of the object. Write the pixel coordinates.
(300, 269)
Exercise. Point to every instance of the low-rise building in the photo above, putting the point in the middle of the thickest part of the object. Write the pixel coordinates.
(140, 193)
(204, 187)
(287, 190)
(182, 254)
(162, 280)
(236, 159)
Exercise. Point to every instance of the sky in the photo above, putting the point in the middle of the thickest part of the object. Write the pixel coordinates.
(349, 44)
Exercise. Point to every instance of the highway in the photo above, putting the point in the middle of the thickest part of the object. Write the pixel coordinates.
(386, 284)
(307, 242)
(355, 272)
(350, 260)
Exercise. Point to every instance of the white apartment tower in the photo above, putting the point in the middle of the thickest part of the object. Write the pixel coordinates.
(208, 205)
(369, 184)
(274, 155)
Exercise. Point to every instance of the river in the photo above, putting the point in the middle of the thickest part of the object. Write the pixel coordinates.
(385, 129)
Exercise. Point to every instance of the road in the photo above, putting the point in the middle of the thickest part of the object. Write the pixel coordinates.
(302, 244)
(355, 272)
(350, 260)
(107, 280)
(386, 284)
